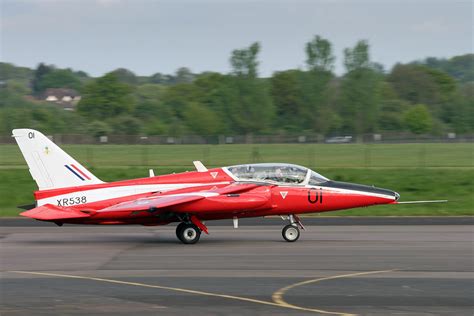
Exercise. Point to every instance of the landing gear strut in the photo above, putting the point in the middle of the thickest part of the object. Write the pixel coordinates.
(291, 232)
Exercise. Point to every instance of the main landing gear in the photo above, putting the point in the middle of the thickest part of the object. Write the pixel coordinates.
(291, 232)
(189, 231)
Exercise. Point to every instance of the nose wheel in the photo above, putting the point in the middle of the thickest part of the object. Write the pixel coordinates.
(290, 233)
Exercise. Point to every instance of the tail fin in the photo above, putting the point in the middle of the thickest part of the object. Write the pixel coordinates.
(49, 165)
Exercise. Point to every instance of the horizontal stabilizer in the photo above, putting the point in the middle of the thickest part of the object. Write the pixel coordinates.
(27, 206)
(419, 202)
(49, 212)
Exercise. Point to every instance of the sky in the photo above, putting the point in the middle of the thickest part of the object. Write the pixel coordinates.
(146, 36)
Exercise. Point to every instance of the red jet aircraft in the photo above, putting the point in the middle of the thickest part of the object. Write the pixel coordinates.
(69, 193)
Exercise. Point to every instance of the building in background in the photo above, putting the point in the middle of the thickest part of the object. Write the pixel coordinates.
(63, 97)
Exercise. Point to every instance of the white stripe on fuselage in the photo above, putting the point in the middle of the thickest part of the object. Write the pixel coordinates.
(101, 194)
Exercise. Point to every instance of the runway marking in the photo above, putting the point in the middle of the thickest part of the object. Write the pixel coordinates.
(277, 296)
(232, 297)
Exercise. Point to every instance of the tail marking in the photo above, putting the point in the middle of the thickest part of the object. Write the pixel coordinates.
(80, 174)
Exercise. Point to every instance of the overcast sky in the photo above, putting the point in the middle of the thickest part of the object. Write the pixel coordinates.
(148, 36)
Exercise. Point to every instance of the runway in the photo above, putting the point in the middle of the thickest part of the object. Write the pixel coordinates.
(331, 270)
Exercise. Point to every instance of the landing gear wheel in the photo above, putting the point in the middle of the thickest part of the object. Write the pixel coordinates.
(179, 228)
(188, 233)
(290, 233)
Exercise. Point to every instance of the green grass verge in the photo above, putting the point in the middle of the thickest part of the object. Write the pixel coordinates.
(456, 185)
(456, 155)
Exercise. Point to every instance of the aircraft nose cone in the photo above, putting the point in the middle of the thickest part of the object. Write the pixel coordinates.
(363, 188)
(397, 196)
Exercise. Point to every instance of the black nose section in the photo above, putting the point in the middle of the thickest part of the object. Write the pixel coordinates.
(360, 187)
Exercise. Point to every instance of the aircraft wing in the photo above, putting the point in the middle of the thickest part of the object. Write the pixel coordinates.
(171, 199)
(153, 202)
(219, 196)
(49, 212)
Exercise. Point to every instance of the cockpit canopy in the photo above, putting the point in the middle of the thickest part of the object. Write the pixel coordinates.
(279, 173)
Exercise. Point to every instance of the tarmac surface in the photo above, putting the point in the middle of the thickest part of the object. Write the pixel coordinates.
(371, 269)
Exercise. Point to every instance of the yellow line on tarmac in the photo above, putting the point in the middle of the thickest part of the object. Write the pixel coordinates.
(277, 297)
(232, 297)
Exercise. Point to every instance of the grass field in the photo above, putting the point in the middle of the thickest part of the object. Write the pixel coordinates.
(457, 155)
(416, 171)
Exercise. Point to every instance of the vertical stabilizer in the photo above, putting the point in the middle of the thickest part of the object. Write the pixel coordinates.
(49, 165)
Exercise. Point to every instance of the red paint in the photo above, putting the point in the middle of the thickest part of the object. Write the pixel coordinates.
(199, 224)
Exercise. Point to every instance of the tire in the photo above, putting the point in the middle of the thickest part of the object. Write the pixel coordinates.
(189, 234)
(179, 228)
(290, 233)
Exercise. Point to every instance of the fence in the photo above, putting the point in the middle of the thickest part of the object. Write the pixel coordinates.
(252, 139)
(180, 157)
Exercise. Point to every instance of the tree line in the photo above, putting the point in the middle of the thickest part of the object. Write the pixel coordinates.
(429, 96)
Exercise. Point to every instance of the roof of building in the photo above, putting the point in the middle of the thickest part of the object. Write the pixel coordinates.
(60, 92)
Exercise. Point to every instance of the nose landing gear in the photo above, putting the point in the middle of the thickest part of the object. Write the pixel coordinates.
(291, 232)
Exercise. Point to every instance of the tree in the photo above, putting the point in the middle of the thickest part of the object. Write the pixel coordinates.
(9, 71)
(99, 128)
(126, 125)
(357, 58)
(287, 95)
(390, 114)
(59, 78)
(315, 86)
(359, 91)
(418, 119)
(202, 120)
(38, 75)
(463, 118)
(45, 77)
(219, 93)
(177, 97)
(319, 55)
(106, 97)
(183, 75)
(149, 103)
(253, 110)
(244, 61)
(125, 76)
(459, 67)
(421, 84)
(161, 78)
